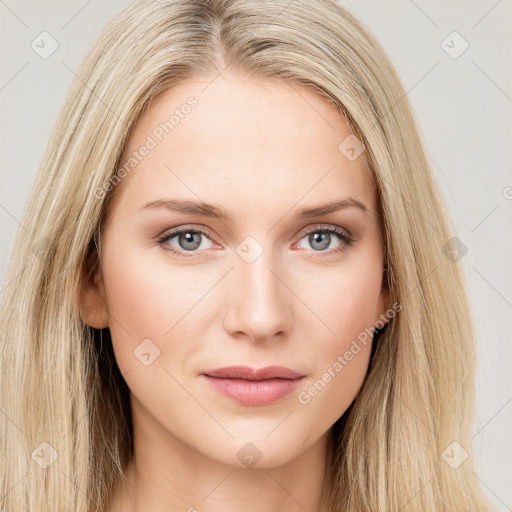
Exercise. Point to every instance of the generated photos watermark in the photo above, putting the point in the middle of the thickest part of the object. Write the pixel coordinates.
(304, 397)
(152, 140)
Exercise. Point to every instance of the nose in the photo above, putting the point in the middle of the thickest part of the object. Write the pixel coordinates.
(258, 301)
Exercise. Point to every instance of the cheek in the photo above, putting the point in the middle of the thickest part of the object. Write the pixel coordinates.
(329, 393)
(346, 304)
(150, 299)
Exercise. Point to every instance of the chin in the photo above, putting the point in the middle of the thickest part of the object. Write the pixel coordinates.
(259, 450)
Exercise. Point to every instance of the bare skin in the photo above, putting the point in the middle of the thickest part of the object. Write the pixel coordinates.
(262, 151)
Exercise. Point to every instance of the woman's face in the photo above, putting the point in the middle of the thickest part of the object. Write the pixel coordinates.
(262, 285)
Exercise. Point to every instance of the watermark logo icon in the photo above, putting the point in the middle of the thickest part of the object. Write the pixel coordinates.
(44, 45)
(249, 455)
(146, 352)
(454, 45)
(42, 248)
(351, 147)
(454, 455)
(249, 249)
(44, 455)
(454, 249)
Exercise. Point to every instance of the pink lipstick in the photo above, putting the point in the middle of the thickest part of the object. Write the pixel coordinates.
(253, 387)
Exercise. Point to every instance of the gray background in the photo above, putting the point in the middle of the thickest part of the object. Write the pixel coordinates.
(463, 106)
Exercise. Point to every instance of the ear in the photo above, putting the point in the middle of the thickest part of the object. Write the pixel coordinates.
(384, 303)
(92, 302)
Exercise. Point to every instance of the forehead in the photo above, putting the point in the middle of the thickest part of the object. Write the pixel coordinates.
(241, 142)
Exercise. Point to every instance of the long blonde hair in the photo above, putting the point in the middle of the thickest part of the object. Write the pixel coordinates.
(61, 392)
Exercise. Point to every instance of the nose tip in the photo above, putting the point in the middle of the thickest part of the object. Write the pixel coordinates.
(258, 303)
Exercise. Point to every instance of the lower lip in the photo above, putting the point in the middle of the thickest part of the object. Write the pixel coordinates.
(247, 392)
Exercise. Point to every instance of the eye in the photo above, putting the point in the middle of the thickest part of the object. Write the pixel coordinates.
(187, 240)
(321, 238)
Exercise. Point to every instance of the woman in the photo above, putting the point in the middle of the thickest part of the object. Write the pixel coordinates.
(233, 290)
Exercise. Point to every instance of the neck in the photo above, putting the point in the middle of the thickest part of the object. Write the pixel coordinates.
(165, 474)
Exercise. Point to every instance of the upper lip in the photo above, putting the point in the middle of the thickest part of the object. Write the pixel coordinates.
(247, 373)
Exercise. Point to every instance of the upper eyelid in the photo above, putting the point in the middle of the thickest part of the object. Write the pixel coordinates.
(171, 233)
(322, 226)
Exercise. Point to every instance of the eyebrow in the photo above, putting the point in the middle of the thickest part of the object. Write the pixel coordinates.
(208, 210)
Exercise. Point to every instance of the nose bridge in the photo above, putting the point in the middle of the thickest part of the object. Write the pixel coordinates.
(259, 302)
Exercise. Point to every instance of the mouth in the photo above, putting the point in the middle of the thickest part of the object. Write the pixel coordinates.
(253, 387)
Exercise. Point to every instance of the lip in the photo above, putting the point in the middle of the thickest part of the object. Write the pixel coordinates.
(253, 387)
(248, 373)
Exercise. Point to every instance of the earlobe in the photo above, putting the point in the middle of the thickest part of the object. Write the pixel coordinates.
(93, 304)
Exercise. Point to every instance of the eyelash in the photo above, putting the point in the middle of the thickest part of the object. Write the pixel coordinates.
(333, 230)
